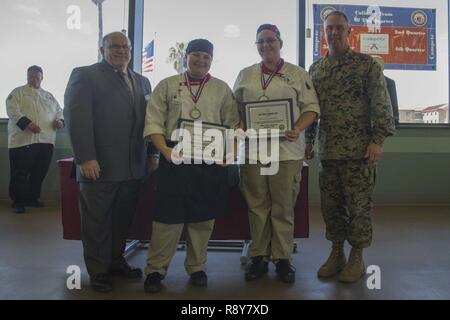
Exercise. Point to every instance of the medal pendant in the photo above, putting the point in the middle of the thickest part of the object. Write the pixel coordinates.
(195, 114)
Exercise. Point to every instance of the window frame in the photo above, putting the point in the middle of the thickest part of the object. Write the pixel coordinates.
(135, 33)
(302, 61)
(133, 27)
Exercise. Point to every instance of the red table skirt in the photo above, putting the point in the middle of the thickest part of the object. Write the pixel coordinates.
(232, 226)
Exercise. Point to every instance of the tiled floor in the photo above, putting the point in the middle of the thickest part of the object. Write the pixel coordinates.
(411, 247)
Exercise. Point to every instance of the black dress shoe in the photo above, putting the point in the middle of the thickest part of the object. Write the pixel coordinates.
(35, 204)
(101, 282)
(256, 269)
(152, 283)
(18, 208)
(126, 271)
(199, 279)
(285, 271)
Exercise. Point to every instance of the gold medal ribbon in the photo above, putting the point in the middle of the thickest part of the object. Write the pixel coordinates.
(265, 83)
(196, 97)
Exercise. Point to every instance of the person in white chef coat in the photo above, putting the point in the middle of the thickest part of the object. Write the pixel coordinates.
(186, 194)
(271, 198)
(34, 115)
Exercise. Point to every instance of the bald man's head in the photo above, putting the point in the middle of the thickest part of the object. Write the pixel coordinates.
(116, 50)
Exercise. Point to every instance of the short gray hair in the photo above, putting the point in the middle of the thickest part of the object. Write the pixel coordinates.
(337, 13)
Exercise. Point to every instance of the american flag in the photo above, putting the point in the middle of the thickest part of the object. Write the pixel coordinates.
(148, 57)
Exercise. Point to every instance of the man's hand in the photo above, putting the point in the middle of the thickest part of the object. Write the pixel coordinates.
(241, 134)
(90, 170)
(373, 152)
(292, 135)
(58, 124)
(167, 154)
(309, 151)
(34, 128)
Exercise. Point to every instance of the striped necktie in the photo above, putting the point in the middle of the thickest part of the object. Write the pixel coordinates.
(127, 80)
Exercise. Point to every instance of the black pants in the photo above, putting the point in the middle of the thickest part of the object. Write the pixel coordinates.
(107, 211)
(28, 168)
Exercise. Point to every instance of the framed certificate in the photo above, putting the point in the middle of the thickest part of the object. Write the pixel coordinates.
(206, 141)
(270, 114)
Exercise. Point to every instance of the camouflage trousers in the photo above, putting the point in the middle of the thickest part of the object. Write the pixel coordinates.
(346, 188)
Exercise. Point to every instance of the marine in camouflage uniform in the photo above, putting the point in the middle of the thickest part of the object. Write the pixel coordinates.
(356, 113)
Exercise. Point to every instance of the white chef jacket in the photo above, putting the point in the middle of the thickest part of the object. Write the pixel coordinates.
(40, 107)
(293, 82)
(171, 101)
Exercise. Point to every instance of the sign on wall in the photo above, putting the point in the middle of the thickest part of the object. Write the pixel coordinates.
(404, 37)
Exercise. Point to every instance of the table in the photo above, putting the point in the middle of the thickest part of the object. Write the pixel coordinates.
(232, 226)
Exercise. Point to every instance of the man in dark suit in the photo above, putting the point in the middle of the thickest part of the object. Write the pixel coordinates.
(105, 106)
(392, 89)
(390, 84)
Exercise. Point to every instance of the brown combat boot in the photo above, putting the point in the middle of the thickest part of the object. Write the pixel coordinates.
(354, 269)
(335, 263)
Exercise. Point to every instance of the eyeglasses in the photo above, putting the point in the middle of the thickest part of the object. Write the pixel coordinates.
(268, 41)
(117, 47)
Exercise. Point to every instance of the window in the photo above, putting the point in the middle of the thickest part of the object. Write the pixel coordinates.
(230, 25)
(423, 95)
(56, 35)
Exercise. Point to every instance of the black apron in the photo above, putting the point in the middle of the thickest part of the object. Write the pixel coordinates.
(190, 193)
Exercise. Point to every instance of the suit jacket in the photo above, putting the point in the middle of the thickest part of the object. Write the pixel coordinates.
(105, 123)
(393, 94)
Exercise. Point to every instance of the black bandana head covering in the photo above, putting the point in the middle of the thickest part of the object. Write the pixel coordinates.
(200, 45)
